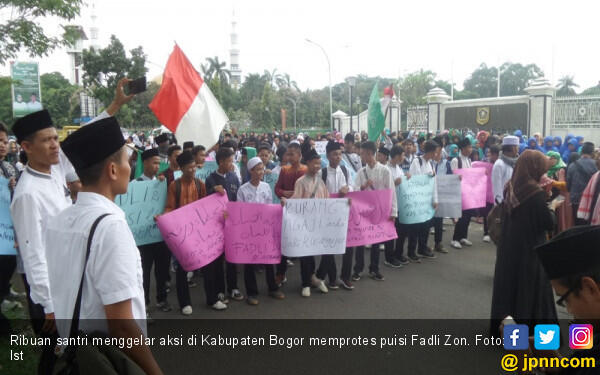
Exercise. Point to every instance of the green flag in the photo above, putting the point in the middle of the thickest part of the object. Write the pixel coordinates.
(139, 165)
(376, 119)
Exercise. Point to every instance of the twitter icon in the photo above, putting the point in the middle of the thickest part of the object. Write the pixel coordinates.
(546, 337)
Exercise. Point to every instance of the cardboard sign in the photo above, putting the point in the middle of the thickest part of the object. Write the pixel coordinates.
(415, 198)
(473, 187)
(449, 196)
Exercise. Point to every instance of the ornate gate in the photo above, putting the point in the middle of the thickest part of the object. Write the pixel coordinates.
(417, 118)
(576, 112)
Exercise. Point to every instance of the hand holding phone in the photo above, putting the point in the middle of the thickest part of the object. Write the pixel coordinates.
(136, 86)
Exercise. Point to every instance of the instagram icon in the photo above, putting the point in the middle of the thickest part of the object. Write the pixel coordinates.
(581, 336)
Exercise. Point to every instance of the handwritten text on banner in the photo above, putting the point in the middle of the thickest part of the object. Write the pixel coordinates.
(253, 233)
(7, 234)
(415, 198)
(449, 196)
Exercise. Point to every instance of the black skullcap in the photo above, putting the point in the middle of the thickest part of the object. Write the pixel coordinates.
(188, 144)
(464, 143)
(27, 125)
(572, 252)
(147, 154)
(93, 143)
(385, 151)
(311, 155)
(332, 146)
(161, 138)
(185, 158)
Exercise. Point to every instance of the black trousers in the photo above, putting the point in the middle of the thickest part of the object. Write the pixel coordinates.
(181, 284)
(417, 238)
(461, 229)
(485, 212)
(282, 266)
(37, 316)
(214, 278)
(307, 269)
(327, 268)
(347, 263)
(360, 259)
(8, 263)
(156, 254)
(438, 228)
(250, 279)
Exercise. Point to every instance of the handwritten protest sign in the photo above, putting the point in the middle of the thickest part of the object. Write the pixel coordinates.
(473, 187)
(369, 220)
(321, 147)
(194, 232)
(253, 233)
(143, 200)
(314, 227)
(271, 179)
(7, 233)
(208, 168)
(449, 196)
(415, 198)
(489, 197)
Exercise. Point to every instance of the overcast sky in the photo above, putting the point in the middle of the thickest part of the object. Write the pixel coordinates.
(386, 38)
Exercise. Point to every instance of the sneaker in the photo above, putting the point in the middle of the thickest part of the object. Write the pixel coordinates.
(280, 280)
(189, 276)
(403, 260)
(221, 297)
(440, 248)
(252, 300)
(466, 242)
(347, 284)
(394, 263)
(216, 306)
(427, 254)
(306, 291)
(236, 295)
(456, 245)
(164, 306)
(333, 286)
(376, 276)
(192, 284)
(289, 263)
(355, 276)
(168, 284)
(315, 281)
(414, 259)
(187, 310)
(277, 294)
(322, 287)
(487, 239)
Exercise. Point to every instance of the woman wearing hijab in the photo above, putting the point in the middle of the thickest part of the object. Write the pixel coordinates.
(558, 143)
(532, 144)
(572, 146)
(521, 287)
(558, 173)
(566, 144)
(549, 144)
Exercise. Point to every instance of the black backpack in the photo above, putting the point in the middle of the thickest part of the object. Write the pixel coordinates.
(344, 171)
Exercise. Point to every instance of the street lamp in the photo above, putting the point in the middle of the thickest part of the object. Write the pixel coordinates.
(330, 91)
(293, 102)
(351, 83)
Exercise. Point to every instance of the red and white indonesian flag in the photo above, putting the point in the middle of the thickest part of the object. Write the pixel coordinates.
(185, 104)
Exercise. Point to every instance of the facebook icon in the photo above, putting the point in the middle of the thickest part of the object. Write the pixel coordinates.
(516, 337)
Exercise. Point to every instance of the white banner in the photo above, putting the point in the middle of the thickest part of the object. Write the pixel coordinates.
(314, 227)
(449, 196)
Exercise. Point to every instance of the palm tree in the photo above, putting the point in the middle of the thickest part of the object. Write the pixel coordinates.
(566, 86)
(217, 69)
(284, 81)
(271, 76)
(206, 71)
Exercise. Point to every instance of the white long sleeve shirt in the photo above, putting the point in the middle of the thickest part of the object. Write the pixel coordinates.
(382, 179)
(466, 162)
(501, 174)
(113, 272)
(255, 194)
(421, 166)
(336, 179)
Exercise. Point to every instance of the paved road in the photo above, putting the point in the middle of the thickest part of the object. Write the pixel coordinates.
(454, 285)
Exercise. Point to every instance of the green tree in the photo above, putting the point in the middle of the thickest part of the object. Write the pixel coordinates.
(216, 69)
(6, 113)
(103, 68)
(514, 78)
(21, 31)
(594, 90)
(60, 98)
(483, 81)
(566, 86)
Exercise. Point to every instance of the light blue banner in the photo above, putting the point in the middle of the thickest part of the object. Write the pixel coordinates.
(7, 232)
(208, 168)
(143, 200)
(415, 198)
(271, 179)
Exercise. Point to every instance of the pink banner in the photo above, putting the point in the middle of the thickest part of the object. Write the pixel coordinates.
(473, 186)
(194, 232)
(253, 233)
(369, 221)
(489, 197)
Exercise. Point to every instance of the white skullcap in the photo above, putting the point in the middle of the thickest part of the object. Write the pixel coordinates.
(510, 140)
(253, 162)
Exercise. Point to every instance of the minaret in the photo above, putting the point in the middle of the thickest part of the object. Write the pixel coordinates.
(94, 43)
(234, 57)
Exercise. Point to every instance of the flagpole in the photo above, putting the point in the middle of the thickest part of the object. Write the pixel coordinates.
(330, 91)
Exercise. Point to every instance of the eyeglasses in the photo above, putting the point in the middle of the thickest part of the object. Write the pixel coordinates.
(563, 299)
